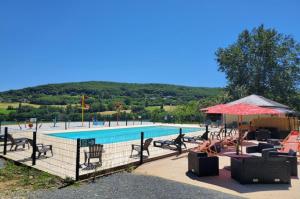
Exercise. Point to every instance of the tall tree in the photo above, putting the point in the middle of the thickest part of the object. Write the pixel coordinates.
(263, 62)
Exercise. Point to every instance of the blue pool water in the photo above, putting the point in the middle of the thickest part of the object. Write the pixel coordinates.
(125, 134)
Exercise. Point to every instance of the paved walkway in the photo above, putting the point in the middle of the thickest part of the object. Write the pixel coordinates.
(175, 168)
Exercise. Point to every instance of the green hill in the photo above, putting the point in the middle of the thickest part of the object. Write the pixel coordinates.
(108, 92)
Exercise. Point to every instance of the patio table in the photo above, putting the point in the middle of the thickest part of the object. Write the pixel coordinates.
(234, 155)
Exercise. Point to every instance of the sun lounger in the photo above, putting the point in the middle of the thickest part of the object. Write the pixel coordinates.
(196, 138)
(17, 142)
(135, 147)
(175, 142)
(41, 148)
(214, 147)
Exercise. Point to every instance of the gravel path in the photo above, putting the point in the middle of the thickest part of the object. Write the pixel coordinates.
(132, 186)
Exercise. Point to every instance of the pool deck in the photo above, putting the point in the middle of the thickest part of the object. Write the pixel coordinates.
(63, 162)
(223, 182)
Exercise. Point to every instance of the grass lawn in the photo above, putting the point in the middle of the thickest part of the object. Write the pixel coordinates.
(5, 111)
(23, 179)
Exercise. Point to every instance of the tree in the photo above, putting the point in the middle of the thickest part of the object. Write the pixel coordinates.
(263, 62)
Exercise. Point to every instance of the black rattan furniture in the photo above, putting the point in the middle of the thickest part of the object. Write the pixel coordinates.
(262, 134)
(291, 157)
(200, 164)
(258, 148)
(259, 170)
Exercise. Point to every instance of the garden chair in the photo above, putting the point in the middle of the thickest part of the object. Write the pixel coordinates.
(41, 148)
(217, 134)
(95, 151)
(136, 147)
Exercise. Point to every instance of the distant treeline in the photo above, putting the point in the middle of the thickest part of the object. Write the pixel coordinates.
(107, 93)
(62, 101)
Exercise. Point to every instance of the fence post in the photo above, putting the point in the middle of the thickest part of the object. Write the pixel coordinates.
(141, 120)
(5, 140)
(33, 148)
(109, 123)
(77, 159)
(65, 124)
(36, 125)
(206, 132)
(180, 135)
(89, 123)
(126, 121)
(142, 147)
(0, 126)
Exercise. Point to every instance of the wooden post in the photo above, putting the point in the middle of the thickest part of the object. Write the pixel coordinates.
(77, 159)
(5, 140)
(142, 147)
(34, 148)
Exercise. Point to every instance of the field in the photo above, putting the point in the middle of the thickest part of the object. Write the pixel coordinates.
(113, 112)
(166, 108)
(4, 105)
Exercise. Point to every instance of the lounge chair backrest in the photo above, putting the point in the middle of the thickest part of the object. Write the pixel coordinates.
(10, 138)
(179, 138)
(96, 150)
(147, 143)
(205, 135)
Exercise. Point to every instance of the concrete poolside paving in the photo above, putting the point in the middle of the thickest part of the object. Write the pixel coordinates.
(175, 169)
(63, 161)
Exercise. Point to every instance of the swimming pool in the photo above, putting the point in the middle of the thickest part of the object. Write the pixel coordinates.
(107, 136)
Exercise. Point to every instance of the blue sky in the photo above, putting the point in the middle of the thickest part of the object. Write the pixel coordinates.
(128, 41)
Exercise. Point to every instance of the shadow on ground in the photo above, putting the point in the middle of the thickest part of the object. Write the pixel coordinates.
(224, 180)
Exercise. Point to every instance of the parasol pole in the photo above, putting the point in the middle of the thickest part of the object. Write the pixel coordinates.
(239, 132)
(241, 141)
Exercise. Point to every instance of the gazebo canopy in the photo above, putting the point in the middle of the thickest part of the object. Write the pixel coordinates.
(259, 101)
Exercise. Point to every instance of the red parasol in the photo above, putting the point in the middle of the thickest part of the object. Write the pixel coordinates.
(240, 109)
